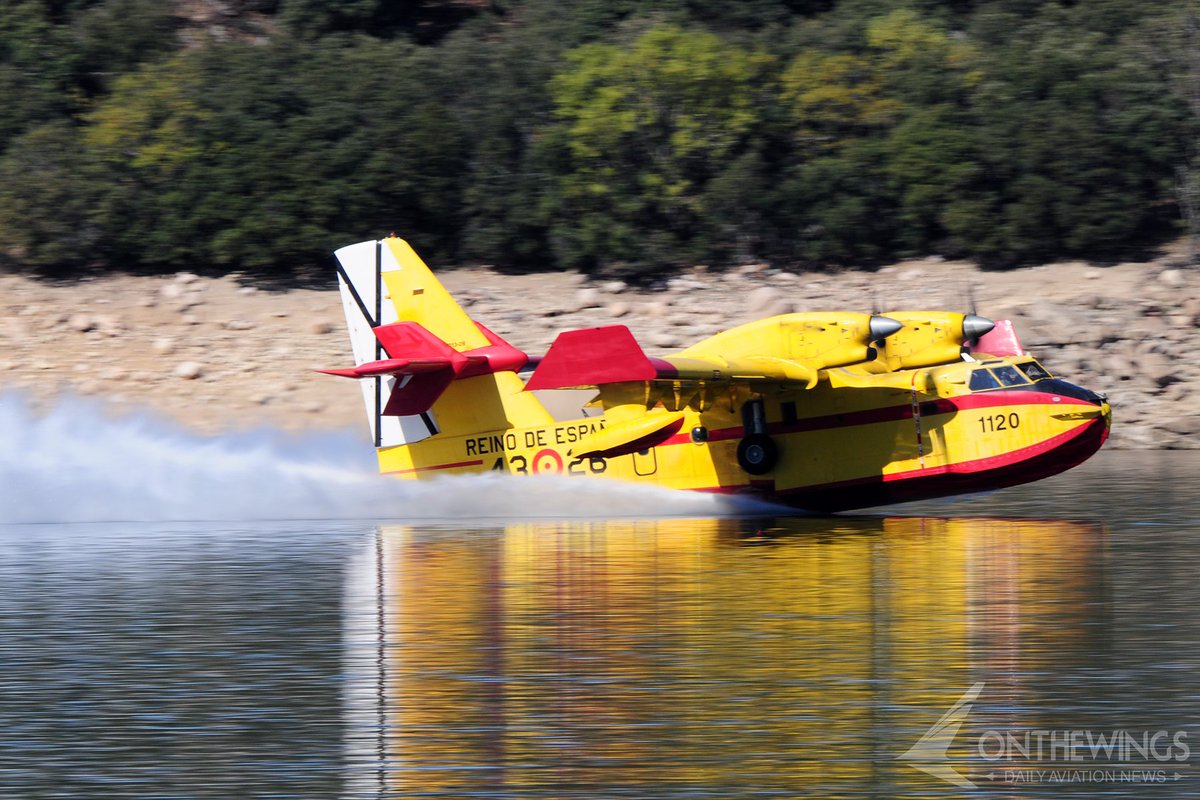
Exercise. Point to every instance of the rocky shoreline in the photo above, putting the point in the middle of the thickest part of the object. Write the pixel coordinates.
(217, 355)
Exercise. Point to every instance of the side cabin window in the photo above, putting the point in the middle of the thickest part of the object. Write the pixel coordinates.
(982, 379)
(1010, 376)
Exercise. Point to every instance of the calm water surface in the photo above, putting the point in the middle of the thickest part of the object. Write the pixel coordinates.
(679, 658)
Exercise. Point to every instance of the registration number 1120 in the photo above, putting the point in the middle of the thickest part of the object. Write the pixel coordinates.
(999, 422)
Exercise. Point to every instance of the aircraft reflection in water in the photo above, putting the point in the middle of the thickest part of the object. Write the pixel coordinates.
(669, 657)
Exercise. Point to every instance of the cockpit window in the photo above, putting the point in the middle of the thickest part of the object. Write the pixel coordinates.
(1033, 370)
(982, 379)
(1010, 376)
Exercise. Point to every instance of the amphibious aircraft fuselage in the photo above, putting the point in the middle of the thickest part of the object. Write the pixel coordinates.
(824, 411)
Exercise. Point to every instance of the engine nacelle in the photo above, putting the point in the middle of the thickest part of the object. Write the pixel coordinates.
(929, 338)
(817, 339)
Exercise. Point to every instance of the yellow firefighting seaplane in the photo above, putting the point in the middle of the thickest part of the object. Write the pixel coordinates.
(825, 411)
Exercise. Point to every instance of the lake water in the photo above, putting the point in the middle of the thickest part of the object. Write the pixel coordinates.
(701, 655)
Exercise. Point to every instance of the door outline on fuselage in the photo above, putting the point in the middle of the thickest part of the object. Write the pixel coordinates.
(645, 458)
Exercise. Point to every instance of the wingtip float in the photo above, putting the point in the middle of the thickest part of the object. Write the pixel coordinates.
(824, 411)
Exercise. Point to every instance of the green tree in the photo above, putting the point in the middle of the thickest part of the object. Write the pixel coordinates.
(883, 148)
(917, 62)
(36, 65)
(114, 37)
(842, 206)
(588, 133)
(1079, 138)
(500, 96)
(836, 98)
(258, 158)
(643, 129)
(425, 21)
(51, 201)
(150, 134)
(935, 166)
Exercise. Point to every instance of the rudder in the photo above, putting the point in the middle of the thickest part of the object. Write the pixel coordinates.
(401, 319)
(382, 282)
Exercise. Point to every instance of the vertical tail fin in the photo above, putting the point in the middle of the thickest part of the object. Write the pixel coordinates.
(382, 282)
(401, 321)
(417, 296)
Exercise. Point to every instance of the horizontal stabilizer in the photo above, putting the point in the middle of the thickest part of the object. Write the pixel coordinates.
(592, 357)
(412, 340)
(390, 366)
(630, 436)
(425, 365)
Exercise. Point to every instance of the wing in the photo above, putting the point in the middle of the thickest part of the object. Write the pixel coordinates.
(640, 394)
(789, 349)
(644, 396)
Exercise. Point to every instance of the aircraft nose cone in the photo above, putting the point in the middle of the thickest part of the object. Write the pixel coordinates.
(883, 327)
(975, 326)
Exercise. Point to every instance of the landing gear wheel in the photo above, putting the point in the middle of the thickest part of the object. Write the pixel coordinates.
(757, 454)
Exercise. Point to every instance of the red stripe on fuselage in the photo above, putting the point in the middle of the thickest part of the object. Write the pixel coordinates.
(434, 467)
(1009, 398)
(896, 413)
(1000, 460)
(1037, 461)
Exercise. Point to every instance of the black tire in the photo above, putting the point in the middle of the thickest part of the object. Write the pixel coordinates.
(757, 454)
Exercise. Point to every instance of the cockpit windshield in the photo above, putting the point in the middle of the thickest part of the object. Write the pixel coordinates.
(1001, 375)
(1010, 376)
(1033, 370)
(982, 379)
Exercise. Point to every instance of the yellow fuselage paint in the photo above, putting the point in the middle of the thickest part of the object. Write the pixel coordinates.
(855, 439)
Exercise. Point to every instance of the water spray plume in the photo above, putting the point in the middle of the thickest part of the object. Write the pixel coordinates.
(77, 464)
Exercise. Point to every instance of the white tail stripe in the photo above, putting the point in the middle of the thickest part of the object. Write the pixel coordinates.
(364, 302)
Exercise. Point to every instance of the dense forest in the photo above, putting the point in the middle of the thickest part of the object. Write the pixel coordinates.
(626, 135)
